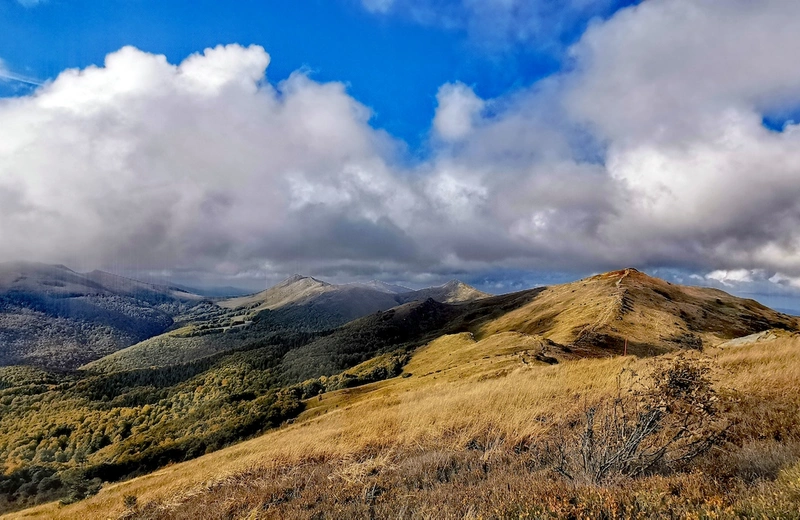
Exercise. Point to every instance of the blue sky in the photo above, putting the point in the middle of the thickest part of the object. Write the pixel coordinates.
(503, 142)
(393, 64)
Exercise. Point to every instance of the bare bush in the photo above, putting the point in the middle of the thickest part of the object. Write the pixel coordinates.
(657, 424)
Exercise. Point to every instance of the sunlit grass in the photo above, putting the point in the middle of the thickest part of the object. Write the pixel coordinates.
(460, 390)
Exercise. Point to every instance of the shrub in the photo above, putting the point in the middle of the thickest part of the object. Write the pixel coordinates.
(658, 425)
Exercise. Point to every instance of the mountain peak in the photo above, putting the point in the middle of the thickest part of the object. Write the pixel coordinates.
(454, 291)
(620, 275)
(454, 284)
(295, 278)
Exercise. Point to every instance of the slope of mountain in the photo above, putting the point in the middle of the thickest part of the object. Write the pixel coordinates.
(294, 289)
(597, 315)
(477, 422)
(51, 316)
(116, 424)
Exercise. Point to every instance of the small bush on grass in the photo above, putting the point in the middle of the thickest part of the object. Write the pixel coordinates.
(657, 425)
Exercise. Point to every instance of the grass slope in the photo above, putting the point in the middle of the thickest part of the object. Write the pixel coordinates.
(596, 316)
(58, 437)
(446, 443)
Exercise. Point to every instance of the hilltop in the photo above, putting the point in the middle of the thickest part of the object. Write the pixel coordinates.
(599, 314)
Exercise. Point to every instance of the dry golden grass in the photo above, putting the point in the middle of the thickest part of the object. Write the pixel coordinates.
(461, 392)
(654, 316)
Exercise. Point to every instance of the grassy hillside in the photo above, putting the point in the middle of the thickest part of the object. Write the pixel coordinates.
(470, 438)
(598, 315)
(499, 376)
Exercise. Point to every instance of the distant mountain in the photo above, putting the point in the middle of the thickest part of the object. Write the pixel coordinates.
(60, 281)
(51, 316)
(294, 289)
(349, 300)
(332, 305)
(453, 291)
(299, 304)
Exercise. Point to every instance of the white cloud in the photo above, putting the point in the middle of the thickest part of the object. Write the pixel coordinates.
(458, 108)
(671, 69)
(677, 90)
(731, 277)
(786, 281)
(158, 165)
(648, 151)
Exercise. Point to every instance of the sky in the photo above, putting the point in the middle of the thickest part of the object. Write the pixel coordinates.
(507, 143)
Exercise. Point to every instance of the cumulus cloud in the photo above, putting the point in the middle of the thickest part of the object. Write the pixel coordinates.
(733, 276)
(649, 150)
(162, 165)
(678, 90)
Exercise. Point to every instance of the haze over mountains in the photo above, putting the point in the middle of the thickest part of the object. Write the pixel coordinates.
(51, 316)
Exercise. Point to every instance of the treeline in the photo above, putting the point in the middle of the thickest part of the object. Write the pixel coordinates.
(61, 441)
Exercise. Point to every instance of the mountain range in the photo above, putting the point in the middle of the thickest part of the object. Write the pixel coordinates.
(422, 367)
(53, 317)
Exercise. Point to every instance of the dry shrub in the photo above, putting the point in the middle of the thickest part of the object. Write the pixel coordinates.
(659, 424)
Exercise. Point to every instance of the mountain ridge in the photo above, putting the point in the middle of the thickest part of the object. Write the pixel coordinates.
(297, 288)
(298, 303)
(415, 393)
